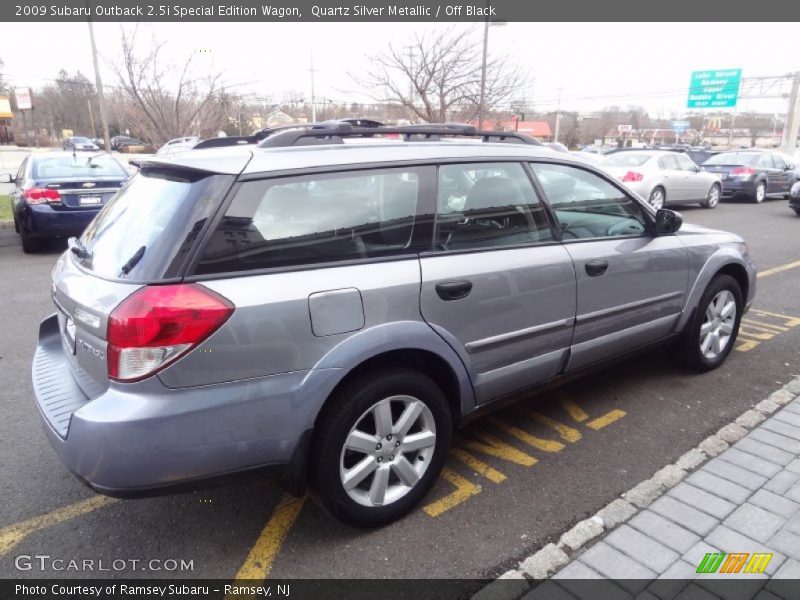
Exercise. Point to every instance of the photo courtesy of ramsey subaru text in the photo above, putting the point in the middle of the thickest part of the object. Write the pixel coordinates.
(333, 300)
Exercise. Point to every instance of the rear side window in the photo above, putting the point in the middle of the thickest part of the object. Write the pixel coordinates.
(45, 167)
(148, 229)
(315, 219)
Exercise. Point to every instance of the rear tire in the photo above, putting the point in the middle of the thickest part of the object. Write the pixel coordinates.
(29, 244)
(760, 193)
(712, 200)
(711, 334)
(658, 198)
(349, 433)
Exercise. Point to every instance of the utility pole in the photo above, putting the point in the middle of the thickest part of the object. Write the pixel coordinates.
(91, 117)
(558, 116)
(313, 99)
(792, 117)
(482, 101)
(98, 82)
(730, 135)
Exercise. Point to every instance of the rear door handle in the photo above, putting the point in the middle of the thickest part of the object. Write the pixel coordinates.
(453, 290)
(595, 268)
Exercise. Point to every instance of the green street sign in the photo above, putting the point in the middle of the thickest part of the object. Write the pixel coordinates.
(714, 88)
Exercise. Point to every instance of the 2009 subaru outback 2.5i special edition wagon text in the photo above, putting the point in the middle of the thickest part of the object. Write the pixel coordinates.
(335, 303)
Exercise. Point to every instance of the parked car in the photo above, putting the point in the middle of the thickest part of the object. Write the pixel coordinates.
(120, 142)
(794, 198)
(79, 144)
(664, 177)
(57, 194)
(178, 145)
(751, 174)
(302, 309)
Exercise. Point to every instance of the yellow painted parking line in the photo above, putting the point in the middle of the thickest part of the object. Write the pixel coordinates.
(788, 320)
(465, 489)
(567, 433)
(575, 412)
(12, 535)
(527, 438)
(606, 419)
(480, 467)
(258, 563)
(747, 345)
(756, 335)
(765, 326)
(779, 269)
(496, 447)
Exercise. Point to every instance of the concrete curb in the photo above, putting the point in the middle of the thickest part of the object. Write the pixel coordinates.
(549, 559)
(6, 224)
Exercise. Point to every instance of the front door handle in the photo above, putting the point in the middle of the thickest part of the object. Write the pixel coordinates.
(453, 290)
(595, 268)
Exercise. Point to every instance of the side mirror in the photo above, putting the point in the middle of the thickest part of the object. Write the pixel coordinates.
(668, 221)
(7, 178)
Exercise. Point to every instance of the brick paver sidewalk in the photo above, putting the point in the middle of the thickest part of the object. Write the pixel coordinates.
(745, 500)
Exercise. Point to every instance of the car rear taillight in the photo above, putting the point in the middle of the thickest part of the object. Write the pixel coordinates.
(36, 195)
(158, 324)
(742, 171)
(632, 176)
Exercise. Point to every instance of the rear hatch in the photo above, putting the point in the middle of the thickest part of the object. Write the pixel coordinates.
(82, 181)
(144, 235)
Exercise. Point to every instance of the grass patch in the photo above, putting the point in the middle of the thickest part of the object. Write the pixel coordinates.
(5, 208)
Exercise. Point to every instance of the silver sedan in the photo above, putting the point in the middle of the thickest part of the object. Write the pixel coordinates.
(664, 178)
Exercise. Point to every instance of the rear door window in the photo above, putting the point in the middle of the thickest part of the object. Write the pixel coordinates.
(316, 219)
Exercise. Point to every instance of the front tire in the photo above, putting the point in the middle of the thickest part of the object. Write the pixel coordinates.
(760, 193)
(379, 446)
(712, 200)
(710, 337)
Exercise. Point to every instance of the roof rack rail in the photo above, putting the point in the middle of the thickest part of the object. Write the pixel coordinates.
(335, 132)
(220, 142)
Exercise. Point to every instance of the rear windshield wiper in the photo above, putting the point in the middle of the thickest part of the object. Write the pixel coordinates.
(133, 261)
(78, 249)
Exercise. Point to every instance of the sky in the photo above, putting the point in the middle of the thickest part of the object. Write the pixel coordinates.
(589, 65)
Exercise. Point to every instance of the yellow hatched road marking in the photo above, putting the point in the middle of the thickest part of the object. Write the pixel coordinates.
(496, 447)
(747, 345)
(575, 412)
(789, 321)
(765, 326)
(478, 466)
(12, 535)
(464, 490)
(258, 563)
(745, 331)
(567, 433)
(606, 419)
(779, 269)
(524, 436)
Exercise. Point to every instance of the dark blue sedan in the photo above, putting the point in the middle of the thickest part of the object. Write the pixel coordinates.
(57, 194)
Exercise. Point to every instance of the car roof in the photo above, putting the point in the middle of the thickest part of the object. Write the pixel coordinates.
(247, 159)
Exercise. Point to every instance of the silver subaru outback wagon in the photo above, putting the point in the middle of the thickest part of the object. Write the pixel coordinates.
(336, 309)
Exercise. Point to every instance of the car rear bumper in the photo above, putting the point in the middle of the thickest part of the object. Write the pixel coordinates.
(733, 188)
(44, 221)
(135, 439)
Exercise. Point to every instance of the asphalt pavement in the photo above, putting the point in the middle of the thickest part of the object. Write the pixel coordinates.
(518, 477)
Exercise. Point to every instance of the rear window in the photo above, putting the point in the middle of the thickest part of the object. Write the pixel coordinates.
(626, 159)
(67, 166)
(734, 158)
(149, 228)
(315, 219)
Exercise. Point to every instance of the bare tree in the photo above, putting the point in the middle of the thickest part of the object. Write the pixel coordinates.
(163, 101)
(436, 77)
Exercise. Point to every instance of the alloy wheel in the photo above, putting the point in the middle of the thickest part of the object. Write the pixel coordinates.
(761, 192)
(657, 199)
(713, 197)
(387, 451)
(717, 327)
